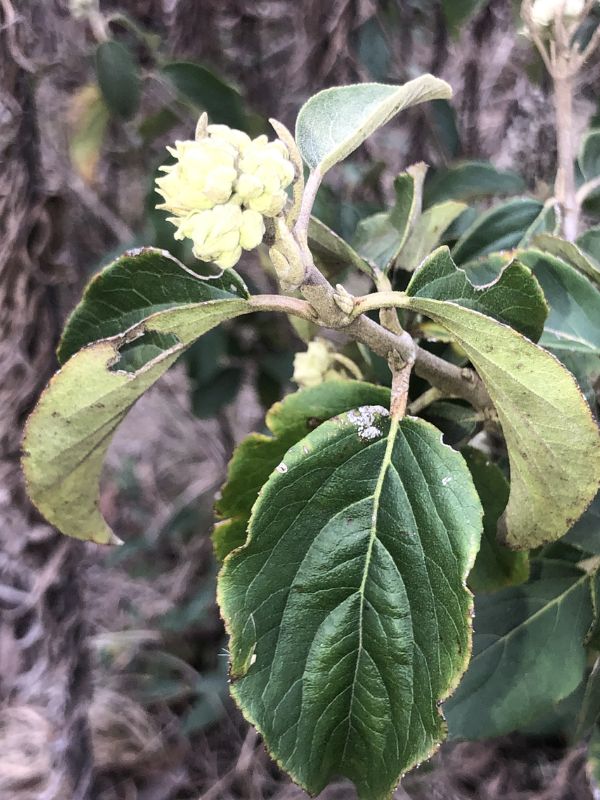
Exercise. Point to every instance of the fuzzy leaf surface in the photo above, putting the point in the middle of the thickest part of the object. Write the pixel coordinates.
(334, 122)
(347, 608)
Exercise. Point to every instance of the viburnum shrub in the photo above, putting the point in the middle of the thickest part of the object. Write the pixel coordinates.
(354, 534)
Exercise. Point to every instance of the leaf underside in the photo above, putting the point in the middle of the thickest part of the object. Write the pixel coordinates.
(347, 607)
(552, 439)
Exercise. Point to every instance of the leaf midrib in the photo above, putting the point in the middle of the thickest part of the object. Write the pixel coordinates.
(385, 464)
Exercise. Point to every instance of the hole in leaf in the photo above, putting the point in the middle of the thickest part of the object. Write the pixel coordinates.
(136, 354)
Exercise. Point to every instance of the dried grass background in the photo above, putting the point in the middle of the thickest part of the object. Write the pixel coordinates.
(74, 625)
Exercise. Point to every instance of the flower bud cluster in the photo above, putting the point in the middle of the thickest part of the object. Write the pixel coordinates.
(544, 12)
(221, 187)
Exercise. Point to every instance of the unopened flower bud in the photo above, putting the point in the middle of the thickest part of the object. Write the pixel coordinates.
(311, 367)
(544, 12)
(221, 187)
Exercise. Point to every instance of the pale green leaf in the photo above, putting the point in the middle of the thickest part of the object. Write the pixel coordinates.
(553, 441)
(332, 255)
(428, 231)
(569, 252)
(69, 431)
(334, 122)
(347, 610)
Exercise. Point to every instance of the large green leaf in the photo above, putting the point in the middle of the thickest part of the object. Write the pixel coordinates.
(553, 441)
(496, 567)
(257, 456)
(332, 254)
(500, 228)
(347, 608)
(528, 653)
(139, 283)
(207, 92)
(69, 431)
(569, 252)
(470, 181)
(589, 243)
(118, 78)
(334, 122)
(514, 297)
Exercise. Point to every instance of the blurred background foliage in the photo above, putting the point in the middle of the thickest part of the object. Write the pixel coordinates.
(113, 664)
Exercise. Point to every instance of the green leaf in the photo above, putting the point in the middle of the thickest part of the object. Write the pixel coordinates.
(514, 675)
(500, 228)
(514, 297)
(70, 429)
(118, 78)
(573, 323)
(570, 253)
(496, 567)
(428, 231)
(334, 122)
(589, 243)
(347, 609)
(552, 439)
(89, 117)
(139, 283)
(589, 713)
(589, 155)
(456, 419)
(332, 254)
(547, 221)
(207, 92)
(380, 237)
(585, 534)
(257, 456)
(471, 180)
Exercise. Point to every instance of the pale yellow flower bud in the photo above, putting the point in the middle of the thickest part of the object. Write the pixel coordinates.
(311, 367)
(221, 187)
(252, 229)
(238, 139)
(544, 12)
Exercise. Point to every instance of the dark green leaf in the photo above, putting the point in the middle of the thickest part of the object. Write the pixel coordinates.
(257, 456)
(501, 228)
(496, 567)
(347, 610)
(207, 92)
(585, 534)
(136, 285)
(469, 181)
(589, 155)
(514, 298)
(457, 12)
(457, 420)
(118, 78)
(573, 322)
(514, 674)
